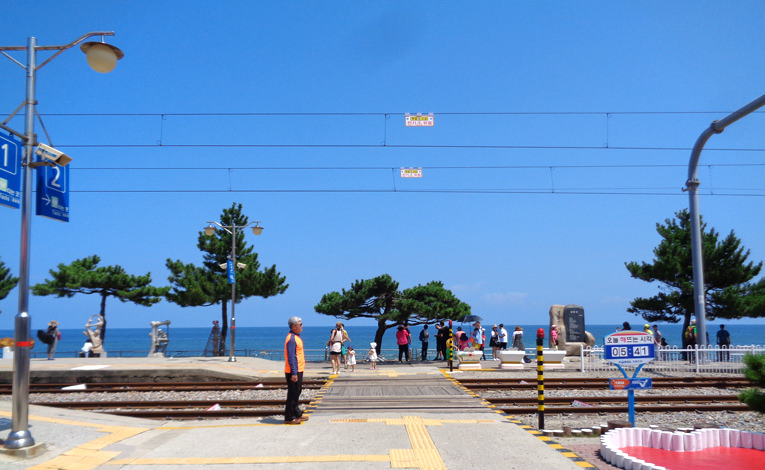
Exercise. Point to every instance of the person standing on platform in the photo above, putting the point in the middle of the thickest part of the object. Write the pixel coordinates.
(494, 343)
(440, 341)
(54, 336)
(723, 343)
(502, 338)
(656, 335)
(294, 365)
(479, 338)
(335, 344)
(372, 355)
(554, 337)
(424, 336)
(402, 340)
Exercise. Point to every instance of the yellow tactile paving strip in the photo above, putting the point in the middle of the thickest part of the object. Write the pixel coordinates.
(90, 454)
(554, 445)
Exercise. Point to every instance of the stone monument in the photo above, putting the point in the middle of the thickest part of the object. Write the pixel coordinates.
(572, 336)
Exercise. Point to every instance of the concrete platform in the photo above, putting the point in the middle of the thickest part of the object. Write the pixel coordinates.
(386, 418)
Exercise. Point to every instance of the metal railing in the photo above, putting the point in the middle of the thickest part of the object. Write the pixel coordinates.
(698, 360)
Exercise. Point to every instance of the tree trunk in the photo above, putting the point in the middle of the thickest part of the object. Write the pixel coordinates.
(103, 315)
(381, 327)
(223, 329)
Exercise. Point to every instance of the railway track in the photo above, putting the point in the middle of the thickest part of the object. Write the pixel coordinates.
(601, 383)
(117, 387)
(200, 409)
(593, 405)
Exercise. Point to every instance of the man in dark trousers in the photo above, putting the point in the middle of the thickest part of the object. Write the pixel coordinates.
(294, 365)
(424, 335)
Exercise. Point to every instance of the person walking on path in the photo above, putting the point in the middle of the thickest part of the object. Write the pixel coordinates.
(372, 355)
(723, 343)
(424, 336)
(502, 338)
(402, 340)
(54, 335)
(294, 365)
(335, 344)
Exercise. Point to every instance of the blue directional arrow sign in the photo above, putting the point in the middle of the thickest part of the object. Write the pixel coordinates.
(53, 192)
(10, 171)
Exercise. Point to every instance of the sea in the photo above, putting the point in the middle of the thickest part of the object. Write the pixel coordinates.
(268, 342)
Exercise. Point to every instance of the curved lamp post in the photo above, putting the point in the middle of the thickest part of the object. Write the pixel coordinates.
(692, 186)
(102, 58)
(231, 266)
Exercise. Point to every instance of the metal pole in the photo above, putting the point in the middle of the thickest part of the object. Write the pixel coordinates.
(232, 356)
(692, 186)
(20, 436)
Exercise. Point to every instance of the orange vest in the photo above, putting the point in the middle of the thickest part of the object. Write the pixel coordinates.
(299, 357)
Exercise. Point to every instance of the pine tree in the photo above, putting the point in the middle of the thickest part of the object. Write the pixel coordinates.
(379, 298)
(728, 289)
(205, 285)
(754, 371)
(7, 282)
(84, 276)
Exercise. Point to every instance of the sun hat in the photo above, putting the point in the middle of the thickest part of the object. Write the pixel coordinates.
(373, 344)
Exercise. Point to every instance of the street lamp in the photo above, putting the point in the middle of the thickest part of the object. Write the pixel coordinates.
(102, 58)
(230, 266)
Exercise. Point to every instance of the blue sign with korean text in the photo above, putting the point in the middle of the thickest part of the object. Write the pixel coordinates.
(10, 171)
(53, 192)
(230, 272)
(629, 348)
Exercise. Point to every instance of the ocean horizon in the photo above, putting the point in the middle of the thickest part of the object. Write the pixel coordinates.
(135, 342)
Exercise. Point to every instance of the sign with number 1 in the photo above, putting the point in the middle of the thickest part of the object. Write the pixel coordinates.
(10, 171)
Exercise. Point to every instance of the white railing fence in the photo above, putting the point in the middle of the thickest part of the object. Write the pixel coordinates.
(698, 360)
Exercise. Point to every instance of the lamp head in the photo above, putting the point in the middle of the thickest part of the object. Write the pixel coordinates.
(257, 229)
(101, 57)
(209, 230)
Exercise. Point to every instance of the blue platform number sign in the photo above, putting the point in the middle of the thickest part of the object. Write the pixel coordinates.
(10, 172)
(230, 272)
(53, 192)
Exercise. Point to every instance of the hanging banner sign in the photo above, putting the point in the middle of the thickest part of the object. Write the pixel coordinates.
(230, 272)
(10, 171)
(411, 172)
(418, 120)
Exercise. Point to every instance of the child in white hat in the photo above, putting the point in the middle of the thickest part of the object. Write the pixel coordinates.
(372, 355)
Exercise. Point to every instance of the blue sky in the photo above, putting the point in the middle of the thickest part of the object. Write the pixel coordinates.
(562, 136)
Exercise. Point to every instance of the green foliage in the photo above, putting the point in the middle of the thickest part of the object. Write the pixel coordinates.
(754, 371)
(728, 274)
(380, 299)
(84, 276)
(7, 282)
(205, 285)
